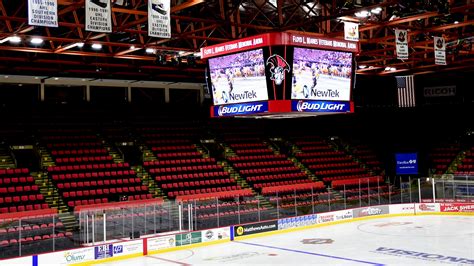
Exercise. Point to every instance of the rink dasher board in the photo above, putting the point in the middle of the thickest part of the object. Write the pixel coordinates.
(57, 258)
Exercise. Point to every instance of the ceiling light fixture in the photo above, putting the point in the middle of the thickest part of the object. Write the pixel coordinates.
(96, 46)
(150, 50)
(362, 66)
(132, 47)
(456, 22)
(56, 78)
(80, 44)
(376, 10)
(362, 14)
(14, 39)
(36, 41)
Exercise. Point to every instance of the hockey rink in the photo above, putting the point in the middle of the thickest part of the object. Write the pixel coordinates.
(404, 240)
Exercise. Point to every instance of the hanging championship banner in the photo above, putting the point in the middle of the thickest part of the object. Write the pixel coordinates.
(401, 37)
(98, 16)
(440, 51)
(43, 13)
(351, 31)
(159, 21)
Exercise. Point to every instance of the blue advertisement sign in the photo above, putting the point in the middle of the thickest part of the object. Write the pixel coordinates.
(102, 252)
(240, 109)
(320, 106)
(406, 163)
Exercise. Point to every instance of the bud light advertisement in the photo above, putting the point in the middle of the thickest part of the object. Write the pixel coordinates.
(239, 109)
(406, 163)
(320, 106)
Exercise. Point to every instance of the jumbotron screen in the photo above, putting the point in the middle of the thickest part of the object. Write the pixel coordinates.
(321, 75)
(238, 78)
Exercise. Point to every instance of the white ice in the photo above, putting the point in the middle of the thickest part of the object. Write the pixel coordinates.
(352, 243)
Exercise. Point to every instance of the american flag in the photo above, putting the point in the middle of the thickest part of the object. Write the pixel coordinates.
(406, 91)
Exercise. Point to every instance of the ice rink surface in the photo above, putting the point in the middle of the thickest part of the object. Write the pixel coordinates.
(405, 240)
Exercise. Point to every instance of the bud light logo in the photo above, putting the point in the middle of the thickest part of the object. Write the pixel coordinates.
(240, 109)
(320, 106)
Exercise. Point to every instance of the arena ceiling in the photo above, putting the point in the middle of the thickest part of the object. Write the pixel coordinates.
(128, 53)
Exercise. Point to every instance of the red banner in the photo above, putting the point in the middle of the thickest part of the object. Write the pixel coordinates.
(457, 207)
(279, 38)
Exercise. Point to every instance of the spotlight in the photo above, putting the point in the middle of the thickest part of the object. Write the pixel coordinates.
(456, 22)
(80, 44)
(150, 50)
(132, 47)
(362, 14)
(14, 39)
(376, 10)
(387, 69)
(56, 78)
(362, 66)
(96, 46)
(36, 41)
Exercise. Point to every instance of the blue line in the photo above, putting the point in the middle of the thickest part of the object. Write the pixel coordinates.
(310, 253)
(232, 233)
(35, 260)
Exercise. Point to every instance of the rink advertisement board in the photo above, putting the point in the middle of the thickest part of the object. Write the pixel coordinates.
(299, 221)
(402, 209)
(215, 234)
(188, 239)
(239, 109)
(456, 207)
(250, 229)
(426, 207)
(161, 242)
(68, 257)
(343, 215)
(370, 211)
(303, 106)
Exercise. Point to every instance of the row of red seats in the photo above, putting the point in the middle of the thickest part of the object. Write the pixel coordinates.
(276, 177)
(464, 167)
(295, 187)
(446, 149)
(164, 135)
(248, 145)
(365, 188)
(15, 171)
(328, 179)
(311, 142)
(468, 160)
(91, 159)
(291, 196)
(444, 155)
(191, 176)
(262, 164)
(73, 145)
(320, 154)
(22, 198)
(167, 141)
(327, 160)
(179, 154)
(88, 167)
(106, 191)
(241, 139)
(75, 137)
(201, 183)
(100, 183)
(224, 204)
(203, 190)
(208, 194)
(461, 173)
(174, 148)
(270, 170)
(16, 180)
(340, 171)
(372, 195)
(333, 165)
(338, 184)
(254, 151)
(281, 183)
(78, 152)
(211, 167)
(256, 157)
(74, 203)
(179, 162)
(94, 175)
(26, 240)
(21, 208)
(230, 213)
(28, 227)
(18, 189)
(307, 203)
(316, 148)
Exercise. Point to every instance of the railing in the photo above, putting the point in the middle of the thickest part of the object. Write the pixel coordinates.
(31, 234)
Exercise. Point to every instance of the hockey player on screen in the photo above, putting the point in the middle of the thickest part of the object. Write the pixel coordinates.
(315, 77)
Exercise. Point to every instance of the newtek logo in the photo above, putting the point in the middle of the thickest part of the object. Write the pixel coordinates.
(241, 109)
(237, 97)
(320, 106)
(325, 94)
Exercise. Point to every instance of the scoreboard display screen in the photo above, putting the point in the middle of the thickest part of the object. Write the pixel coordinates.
(321, 75)
(238, 78)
